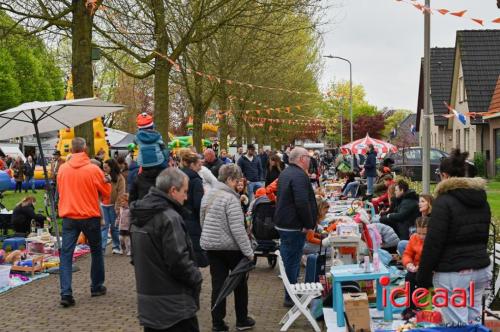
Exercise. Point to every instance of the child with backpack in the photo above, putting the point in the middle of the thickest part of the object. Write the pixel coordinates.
(153, 152)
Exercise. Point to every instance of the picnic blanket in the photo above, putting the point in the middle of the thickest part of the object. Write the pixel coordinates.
(17, 280)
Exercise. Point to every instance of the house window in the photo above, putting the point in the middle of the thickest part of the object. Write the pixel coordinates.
(457, 143)
(466, 139)
(461, 89)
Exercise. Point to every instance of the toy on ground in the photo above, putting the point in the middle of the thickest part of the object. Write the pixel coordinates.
(14, 257)
(32, 265)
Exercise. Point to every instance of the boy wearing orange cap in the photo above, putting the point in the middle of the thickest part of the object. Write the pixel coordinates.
(152, 150)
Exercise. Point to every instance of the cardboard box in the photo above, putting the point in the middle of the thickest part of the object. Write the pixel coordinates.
(357, 311)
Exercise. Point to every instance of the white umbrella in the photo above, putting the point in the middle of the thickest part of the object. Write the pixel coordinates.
(39, 117)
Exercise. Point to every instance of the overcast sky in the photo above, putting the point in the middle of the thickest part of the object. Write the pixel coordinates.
(384, 41)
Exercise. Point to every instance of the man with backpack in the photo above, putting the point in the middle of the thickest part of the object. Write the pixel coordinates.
(296, 212)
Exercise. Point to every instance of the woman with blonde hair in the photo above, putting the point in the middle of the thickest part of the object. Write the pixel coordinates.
(191, 165)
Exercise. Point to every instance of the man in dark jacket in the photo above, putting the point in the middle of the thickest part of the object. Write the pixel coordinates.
(370, 168)
(264, 161)
(167, 279)
(252, 170)
(29, 173)
(406, 211)
(296, 212)
(143, 181)
(212, 162)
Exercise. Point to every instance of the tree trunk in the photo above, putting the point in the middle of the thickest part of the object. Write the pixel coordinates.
(223, 126)
(81, 65)
(248, 134)
(198, 118)
(239, 128)
(162, 71)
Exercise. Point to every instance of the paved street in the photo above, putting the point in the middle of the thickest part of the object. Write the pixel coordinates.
(35, 307)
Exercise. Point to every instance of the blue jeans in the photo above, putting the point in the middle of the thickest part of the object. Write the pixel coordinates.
(109, 215)
(291, 248)
(402, 246)
(351, 188)
(251, 187)
(369, 184)
(29, 183)
(460, 280)
(71, 229)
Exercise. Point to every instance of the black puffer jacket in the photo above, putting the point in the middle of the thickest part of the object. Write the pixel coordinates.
(296, 204)
(404, 215)
(167, 279)
(192, 213)
(142, 183)
(457, 235)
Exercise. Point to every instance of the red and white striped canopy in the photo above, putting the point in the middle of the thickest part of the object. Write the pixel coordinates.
(360, 146)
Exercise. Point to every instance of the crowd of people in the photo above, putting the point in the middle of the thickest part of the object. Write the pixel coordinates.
(175, 214)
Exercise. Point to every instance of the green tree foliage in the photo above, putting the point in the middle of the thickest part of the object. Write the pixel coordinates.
(10, 91)
(337, 107)
(28, 71)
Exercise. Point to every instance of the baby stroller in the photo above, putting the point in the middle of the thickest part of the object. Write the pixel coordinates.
(263, 230)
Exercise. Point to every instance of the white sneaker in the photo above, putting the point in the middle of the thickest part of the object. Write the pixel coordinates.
(108, 241)
(117, 251)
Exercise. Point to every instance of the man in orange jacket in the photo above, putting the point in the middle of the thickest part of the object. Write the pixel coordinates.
(80, 183)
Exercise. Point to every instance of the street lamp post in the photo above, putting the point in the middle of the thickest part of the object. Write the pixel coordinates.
(350, 97)
(426, 133)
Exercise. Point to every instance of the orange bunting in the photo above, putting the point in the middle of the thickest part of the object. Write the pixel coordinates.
(478, 21)
(459, 14)
(443, 11)
(497, 20)
(418, 6)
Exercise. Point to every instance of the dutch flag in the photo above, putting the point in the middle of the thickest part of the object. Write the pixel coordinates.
(460, 117)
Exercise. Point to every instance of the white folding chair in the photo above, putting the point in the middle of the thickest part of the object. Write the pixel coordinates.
(301, 294)
(496, 285)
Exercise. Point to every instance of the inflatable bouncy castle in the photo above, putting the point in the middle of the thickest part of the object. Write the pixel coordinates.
(67, 134)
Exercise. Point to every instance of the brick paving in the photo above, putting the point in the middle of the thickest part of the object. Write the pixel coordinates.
(35, 307)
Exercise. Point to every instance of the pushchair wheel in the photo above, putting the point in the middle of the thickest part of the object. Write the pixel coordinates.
(271, 260)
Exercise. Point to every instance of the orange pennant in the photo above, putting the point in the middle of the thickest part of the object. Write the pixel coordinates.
(443, 11)
(268, 112)
(459, 14)
(418, 6)
(288, 110)
(497, 20)
(478, 21)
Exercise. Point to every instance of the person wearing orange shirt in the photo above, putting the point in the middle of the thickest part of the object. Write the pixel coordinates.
(79, 183)
(411, 258)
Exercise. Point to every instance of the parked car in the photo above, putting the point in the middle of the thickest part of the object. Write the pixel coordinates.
(408, 162)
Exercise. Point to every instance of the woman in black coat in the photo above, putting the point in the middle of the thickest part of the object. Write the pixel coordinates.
(275, 168)
(23, 214)
(455, 247)
(191, 165)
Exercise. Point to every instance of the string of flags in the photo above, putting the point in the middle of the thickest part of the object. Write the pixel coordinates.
(316, 122)
(443, 11)
(271, 128)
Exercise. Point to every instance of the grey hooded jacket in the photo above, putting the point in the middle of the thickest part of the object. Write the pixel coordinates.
(222, 221)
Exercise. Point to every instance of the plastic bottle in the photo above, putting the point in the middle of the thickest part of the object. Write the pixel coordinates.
(376, 262)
